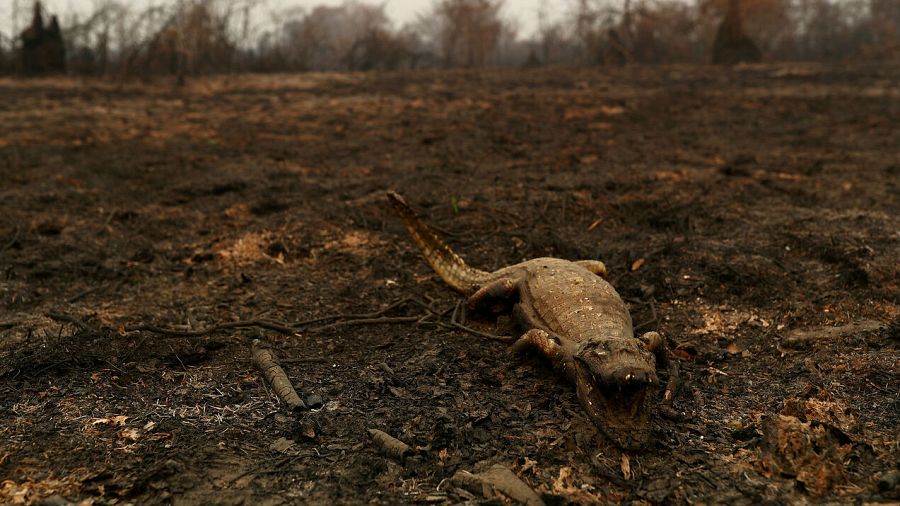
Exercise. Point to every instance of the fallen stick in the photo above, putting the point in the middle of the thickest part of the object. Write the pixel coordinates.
(10, 324)
(801, 338)
(354, 316)
(373, 318)
(498, 480)
(390, 445)
(368, 321)
(265, 324)
(673, 383)
(13, 240)
(69, 319)
(265, 361)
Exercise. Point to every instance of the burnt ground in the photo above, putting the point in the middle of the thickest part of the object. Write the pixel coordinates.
(751, 215)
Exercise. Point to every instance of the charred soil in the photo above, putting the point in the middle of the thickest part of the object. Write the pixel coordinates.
(749, 214)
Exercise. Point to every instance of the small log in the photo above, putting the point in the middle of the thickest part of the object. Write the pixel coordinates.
(264, 360)
(391, 446)
(819, 336)
(498, 480)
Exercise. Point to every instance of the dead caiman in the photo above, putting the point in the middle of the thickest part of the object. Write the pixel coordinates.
(572, 316)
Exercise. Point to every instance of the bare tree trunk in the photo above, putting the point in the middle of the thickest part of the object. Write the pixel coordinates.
(732, 45)
(180, 45)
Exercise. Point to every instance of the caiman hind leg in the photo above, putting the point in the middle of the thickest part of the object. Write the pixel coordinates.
(494, 297)
(656, 344)
(548, 346)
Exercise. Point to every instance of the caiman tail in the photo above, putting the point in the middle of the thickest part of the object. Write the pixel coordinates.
(447, 264)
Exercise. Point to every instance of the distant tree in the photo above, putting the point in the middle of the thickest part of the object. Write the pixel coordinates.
(351, 36)
(663, 32)
(554, 45)
(829, 31)
(5, 65)
(42, 49)
(381, 49)
(884, 29)
(532, 61)
(509, 50)
(194, 37)
(589, 21)
(604, 31)
(770, 24)
(732, 45)
(465, 33)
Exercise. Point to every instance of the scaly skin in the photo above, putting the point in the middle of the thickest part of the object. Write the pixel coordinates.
(572, 316)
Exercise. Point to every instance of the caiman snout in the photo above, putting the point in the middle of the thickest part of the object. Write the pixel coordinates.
(628, 377)
(621, 365)
(613, 382)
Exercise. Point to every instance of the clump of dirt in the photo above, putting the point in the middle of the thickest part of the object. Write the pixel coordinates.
(807, 451)
(811, 440)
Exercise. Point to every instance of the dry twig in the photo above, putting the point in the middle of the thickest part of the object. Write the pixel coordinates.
(369, 321)
(358, 316)
(13, 240)
(265, 324)
(69, 319)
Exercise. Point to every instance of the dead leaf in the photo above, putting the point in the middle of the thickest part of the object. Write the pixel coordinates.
(112, 421)
(281, 445)
(671, 175)
(241, 210)
(685, 352)
(637, 264)
(130, 433)
(732, 348)
(530, 465)
(811, 452)
(563, 483)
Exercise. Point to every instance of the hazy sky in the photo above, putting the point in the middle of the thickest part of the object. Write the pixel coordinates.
(523, 12)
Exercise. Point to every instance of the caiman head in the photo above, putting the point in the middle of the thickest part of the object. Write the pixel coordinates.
(613, 379)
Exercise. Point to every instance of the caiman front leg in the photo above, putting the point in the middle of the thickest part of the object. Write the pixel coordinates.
(548, 346)
(595, 266)
(656, 344)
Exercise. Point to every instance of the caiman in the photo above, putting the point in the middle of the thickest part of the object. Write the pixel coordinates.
(573, 317)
